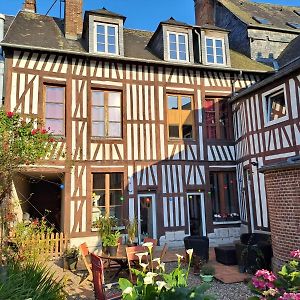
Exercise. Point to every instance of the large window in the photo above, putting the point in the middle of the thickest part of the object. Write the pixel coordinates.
(55, 109)
(215, 52)
(180, 117)
(107, 195)
(178, 46)
(223, 193)
(275, 106)
(106, 114)
(217, 119)
(106, 38)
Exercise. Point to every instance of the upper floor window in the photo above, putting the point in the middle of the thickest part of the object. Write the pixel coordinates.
(275, 106)
(55, 109)
(215, 51)
(180, 117)
(106, 114)
(106, 38)
(217, 119)
(178, 46)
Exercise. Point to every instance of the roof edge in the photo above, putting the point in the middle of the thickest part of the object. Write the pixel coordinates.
(291, 163)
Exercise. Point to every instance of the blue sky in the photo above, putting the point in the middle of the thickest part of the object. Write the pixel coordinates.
(141, 14)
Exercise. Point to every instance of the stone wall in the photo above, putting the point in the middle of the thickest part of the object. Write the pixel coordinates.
(283, 195)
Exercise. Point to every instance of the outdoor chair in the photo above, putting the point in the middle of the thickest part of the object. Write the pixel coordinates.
(102, 291)
(132, 259)
(86, 257)
(200, 244)
(150, 240)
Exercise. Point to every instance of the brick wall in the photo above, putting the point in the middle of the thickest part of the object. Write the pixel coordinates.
(283, 195)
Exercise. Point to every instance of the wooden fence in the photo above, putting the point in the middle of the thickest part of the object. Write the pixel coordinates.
(48, 246)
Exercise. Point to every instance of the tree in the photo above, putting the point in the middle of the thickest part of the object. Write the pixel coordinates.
(22, 142)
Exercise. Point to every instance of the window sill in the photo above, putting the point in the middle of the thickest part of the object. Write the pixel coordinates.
(226, 222)
(277, 121)
(106, 139)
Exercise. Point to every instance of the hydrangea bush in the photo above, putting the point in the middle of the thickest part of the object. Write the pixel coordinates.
(283, 286)
(154, 283)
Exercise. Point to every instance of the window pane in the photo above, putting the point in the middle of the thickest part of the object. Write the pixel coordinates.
(182, 47)
(173, 54)
(172, 38)
(98, 98)
(111, 30)
(219, 44)
(115, 180)
(101, 39)
(173, 131)
(99, 181)
(99, 198)
(210, 51)
(56, 126)
(111, 40)
(100, 47)
(114, 114)
(187, 131)
(114, 129)
(55, 94)
(98, 113)
(98, 129)
(115, 198)
(220, 60)
(276, 106)
(172, 102)
(182, 55)
(210, 59)
(114, 99)
(181, 39)
(172, 46)
(54, 110)
(209, 43)
(219, 51)
(116, 211)
(111, 49)
(186, 103)
(100, 29)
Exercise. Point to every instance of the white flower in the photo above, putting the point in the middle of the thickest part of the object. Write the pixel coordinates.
(140, 255)
(179, 256)
(190, 253)
(156, 260)
(160, 284)
(148, 280)
(162, 266)
(151, 274)
(144, 266)
(128, 291)
(149, 245)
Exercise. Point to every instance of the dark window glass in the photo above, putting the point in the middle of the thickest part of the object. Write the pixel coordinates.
(99, 181)
(186, 103)
(276, 107)
(187, 131)
(173, 131)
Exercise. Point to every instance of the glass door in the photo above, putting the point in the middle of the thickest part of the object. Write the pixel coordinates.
(196, 214)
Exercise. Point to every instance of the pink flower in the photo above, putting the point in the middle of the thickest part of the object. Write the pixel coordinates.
(10, 114)
(295, 254)
(290, 296)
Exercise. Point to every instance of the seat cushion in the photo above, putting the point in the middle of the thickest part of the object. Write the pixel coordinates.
(226, 255)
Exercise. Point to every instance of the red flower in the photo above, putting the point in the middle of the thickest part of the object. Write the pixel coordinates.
(44, 131)
(10, 114)
(34, 131)
(51, 140)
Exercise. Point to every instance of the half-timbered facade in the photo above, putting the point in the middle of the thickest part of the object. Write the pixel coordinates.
(142, 119)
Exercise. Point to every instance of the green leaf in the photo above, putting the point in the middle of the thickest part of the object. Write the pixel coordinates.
(124, 283)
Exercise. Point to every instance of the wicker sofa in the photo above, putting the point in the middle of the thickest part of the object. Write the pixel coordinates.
(200, 244)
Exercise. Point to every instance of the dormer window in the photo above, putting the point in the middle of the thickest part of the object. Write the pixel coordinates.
(215, 51)
(106, 38)
(178, 46)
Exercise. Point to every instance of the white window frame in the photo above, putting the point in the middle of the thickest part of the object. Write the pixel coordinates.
(214, 39)
(177, 46)
(266, 110)
(106, 25)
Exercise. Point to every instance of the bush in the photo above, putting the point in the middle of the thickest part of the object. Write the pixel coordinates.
(30, 281)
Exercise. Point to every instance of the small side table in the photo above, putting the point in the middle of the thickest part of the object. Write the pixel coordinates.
(226, 255)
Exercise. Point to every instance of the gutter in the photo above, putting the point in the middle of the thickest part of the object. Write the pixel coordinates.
(129, 59)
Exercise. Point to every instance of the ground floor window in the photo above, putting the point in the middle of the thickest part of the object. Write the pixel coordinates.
(107, 195)
(223, 193)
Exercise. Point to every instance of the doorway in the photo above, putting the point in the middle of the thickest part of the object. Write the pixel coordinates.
(196, 208)
(146, 216)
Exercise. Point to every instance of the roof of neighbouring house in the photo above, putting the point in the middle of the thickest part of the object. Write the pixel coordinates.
(278, 16)
(290, 53)
(7, 22)
(34, 31)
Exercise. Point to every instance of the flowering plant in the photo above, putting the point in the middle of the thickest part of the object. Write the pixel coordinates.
(154, 283)
(283, 286)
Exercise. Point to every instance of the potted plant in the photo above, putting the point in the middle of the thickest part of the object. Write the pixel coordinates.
(131, 231)
(71, 257)
(207, 273)
(111, 242)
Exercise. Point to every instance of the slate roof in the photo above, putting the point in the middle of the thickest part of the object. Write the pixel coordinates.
(7, 22)
(104, 12)
(34, 31)
(278, 15)
(290, 53)
(172, 21)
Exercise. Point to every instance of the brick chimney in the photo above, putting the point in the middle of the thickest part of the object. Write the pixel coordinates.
(30, 5)
(205, 12)
(73, 19)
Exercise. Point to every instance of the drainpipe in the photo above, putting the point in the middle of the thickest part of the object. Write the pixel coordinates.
(2, 19)
(199, 46)
(234, 81)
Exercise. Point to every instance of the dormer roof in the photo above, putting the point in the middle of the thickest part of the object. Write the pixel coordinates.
(106, 13)
(174, 22)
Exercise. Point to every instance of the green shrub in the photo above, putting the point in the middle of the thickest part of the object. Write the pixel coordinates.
(30, 281)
